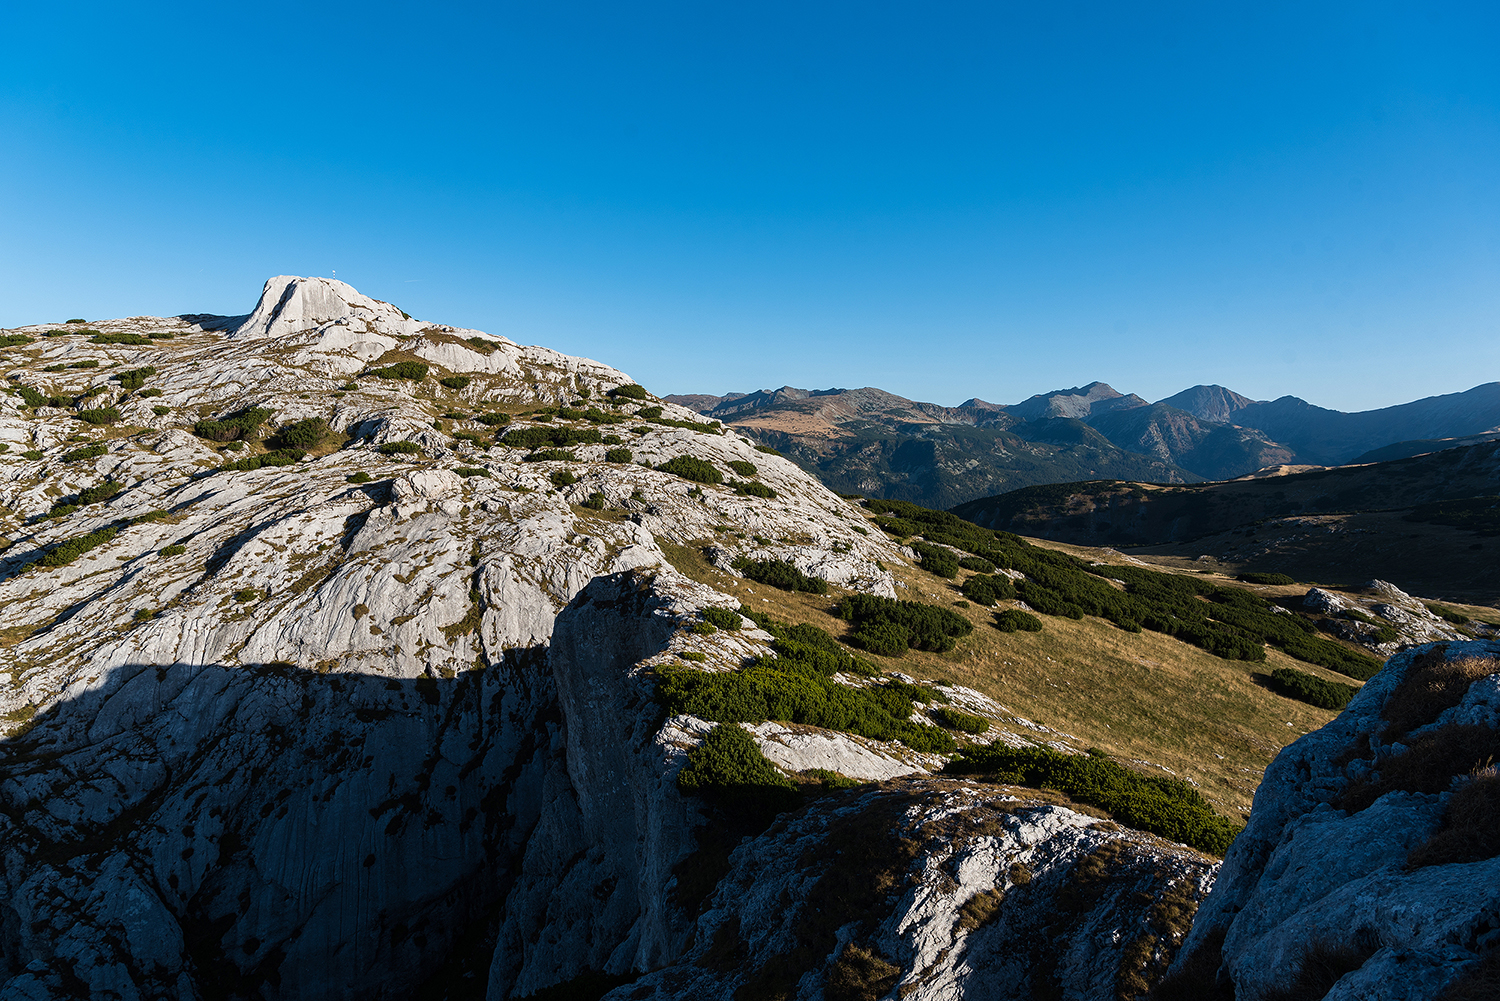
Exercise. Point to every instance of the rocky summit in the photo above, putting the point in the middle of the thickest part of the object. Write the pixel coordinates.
(334, 648)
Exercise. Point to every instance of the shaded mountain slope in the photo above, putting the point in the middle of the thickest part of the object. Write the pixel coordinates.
(1212, 450)
(1209, 403)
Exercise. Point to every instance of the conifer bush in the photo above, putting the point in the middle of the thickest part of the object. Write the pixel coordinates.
(86, 452)
(132, 339)
(1267, 578)
(1164, 806)
(596, 501)
(147, 394)
(742, 467)
(729, 765)
(622, 455)
(280, 457)
(752, 488)
(767, 449)
(957, 719)
(455, 381)
(494, 420)
(630, 392)
(927, 627)
(136, 377)
(987, 589)
(99, 415)
(1013, 620)
(400, 448)
(413, 371)
(307, 433)
(161, 411)
(549, 437)
(238, 426)
(647, 413)
(68, 551)
(724, 618)
(14, 340)
(692, 468)
(779, 574)
(1311, 689)
(563, 478)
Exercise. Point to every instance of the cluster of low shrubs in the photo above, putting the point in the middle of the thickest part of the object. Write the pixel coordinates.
(32, 398)
(136, 378)
(888, 627)
(1279, 579)
(797, 686)
(742, 467)
(131, 339)
(99, 415)
(550, 437)
(96, 494)
(630, 392)
(692, 468)
(307, 433)
(1165, 806)
(1311, 689)
(238, 426)
(988, 589)
(66, 552)
(1229, 622)
(722, 618)
(494, 420)
(957, 719)
(14, 340)
(86, 452)
(413, 371)
(400, 448)
(936, 560)
(552, 455)
(455, 381)
(779, 574)
(623, 455)
(767, 449)
(280, 457)
(1013, 620)
(563, 478)
(752, 488)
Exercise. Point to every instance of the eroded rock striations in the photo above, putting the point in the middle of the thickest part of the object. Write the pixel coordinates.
(328, 641)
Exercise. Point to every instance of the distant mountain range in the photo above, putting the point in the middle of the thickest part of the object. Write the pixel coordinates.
(872, 442)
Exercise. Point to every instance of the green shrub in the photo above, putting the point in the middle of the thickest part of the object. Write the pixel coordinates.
(494, 420)
(148, 394)
(936, 560)
(359, 477)
(630, 392)
(400, 448)
(596, 501)
(100, 415)
(694, 656)
(237, 426)
(692, 468)
(149, 516)
(76, 320)
(100, 492)
(647, 413)
(31, 397)
(135, 339)
(307, 433)
(32, 453)
(86, 452)
(742, 467)
(1164, 806)
(779, 574)
(552, 455)
(88, 394)
(729, 765)
(977, 563)
(175, 549)
(553, 437)
(483, 346)
(724, 618)
(468, 471)
(14, 340)
(55, 368)
(414, 371)
(622, 455)
(1267, 578)
(1311, 689)
(1447, 614)
(955, 719)
(161, 335)
(161, 411)
(246, 594)
(136, 378)
(881, 620)
(563, 478)
(1013, 620)
(455, 381)
(986, 589)
(66, 552)
(752, 488)
(280, 457)
(767, 449)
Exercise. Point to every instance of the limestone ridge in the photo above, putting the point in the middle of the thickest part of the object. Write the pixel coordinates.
(1336, 856)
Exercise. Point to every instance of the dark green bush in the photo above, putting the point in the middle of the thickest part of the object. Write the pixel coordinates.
(414, 371)
(400, 448)
(76, 320)
(85, 364)
(630, 392)
(724, 618)
(359, 477)
(237, 426)
(148, 394)
(1447, 614)
(280, 457)
(32, 453)
(779, 574)
(977, 563)
(1267, 578)
(245, 594)
(692, 468)
(767, 449)
(985, 589)
(483, 346)
(31, 397)
(135, 339)
(67, 552)
(552, 437)
(14, 340)
(136, 378)
(729, 765)
(307, 433)
(455, 381)
(647, 413)
(468, 471)
(742, 467)
(100, 492)
(596, 501)
(494, 420)
(552, 455)
(936, 560)
(752, 488)
(87, 452)
(955, 719)
(619, 455)
(100, 415)
(1311, 689)
(927, 627)
(563, 478)
(87, 394)
(1167, 807)
(55, 368)
(161, 335)
(1014, 620)
(175, 549)
(161, 411)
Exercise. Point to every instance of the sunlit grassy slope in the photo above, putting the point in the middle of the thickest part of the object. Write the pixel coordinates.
(1142, 697)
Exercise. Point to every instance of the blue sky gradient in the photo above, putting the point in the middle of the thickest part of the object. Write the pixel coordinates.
(942, 200)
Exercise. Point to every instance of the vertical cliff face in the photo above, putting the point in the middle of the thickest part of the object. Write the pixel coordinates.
(1371, 849)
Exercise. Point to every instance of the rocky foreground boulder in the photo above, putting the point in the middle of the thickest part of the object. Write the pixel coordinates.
(331, 643)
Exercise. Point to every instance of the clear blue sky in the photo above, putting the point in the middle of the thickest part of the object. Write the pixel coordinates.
(940, 199)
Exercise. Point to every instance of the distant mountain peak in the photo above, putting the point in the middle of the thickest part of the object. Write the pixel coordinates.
(1209, 403)
(1080, 402)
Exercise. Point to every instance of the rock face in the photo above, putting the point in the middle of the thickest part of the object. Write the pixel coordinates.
(365, 708)
(1372, 841)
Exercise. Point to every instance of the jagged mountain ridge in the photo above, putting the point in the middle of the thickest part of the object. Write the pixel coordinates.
(865, 440)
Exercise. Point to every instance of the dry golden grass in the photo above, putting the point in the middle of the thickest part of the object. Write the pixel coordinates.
(1141, 697)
